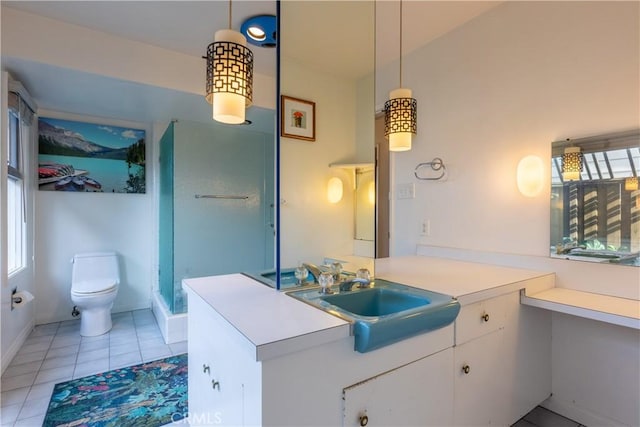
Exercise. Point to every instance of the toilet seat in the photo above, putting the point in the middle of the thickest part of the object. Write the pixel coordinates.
(96, 293)
(93, 287)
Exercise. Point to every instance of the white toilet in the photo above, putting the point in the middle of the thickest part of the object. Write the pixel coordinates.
(94, 285)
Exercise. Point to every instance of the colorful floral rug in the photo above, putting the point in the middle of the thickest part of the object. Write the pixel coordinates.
(147, 395)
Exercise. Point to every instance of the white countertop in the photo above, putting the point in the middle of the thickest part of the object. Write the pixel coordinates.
(276, 324)
(467, 281)
(604, 308)
(272, 321)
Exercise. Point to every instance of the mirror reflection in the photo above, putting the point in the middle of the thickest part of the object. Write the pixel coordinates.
(595, 201)
(365, 201)
(327, 58)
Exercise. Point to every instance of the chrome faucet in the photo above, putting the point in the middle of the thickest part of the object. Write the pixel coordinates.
(314, 270)
(346, 285)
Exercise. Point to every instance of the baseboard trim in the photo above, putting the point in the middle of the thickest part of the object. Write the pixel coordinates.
(15, 346)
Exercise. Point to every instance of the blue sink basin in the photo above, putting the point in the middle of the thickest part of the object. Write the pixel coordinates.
(376, 301)
(385, 313)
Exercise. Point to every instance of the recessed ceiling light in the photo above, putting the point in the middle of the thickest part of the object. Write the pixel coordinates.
(260, 30)
(256, 33)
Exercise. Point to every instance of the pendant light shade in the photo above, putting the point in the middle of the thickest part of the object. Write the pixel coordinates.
(400, 119)
(631, 183)
(571, 163)
(400, 112)
(229, 75)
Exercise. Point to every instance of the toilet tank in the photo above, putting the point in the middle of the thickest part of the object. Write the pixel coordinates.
(101, 266)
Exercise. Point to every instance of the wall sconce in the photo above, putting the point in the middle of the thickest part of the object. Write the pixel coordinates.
(400, 112)
(229, 75)
(372, 193)
(334, 190)
(571, 164)
(529, 176)
(631, 183)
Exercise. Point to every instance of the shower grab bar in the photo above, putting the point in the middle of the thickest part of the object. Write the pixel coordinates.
(220, 196)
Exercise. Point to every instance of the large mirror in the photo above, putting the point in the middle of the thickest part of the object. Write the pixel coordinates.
(595, 201)
(327, 60)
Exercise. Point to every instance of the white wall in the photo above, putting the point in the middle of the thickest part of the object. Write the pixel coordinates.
(503, 86)
(365, 120)
(69, 223)
(311, 227)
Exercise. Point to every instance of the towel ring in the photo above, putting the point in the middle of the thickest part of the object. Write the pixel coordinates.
(436, 165)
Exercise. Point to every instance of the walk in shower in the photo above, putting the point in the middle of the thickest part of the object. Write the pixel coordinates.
(216, 201)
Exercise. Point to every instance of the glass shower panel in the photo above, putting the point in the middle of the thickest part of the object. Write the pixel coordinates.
(166, 218)
(223, 192)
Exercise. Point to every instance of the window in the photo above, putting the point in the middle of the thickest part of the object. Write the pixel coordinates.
(16, 219)
(16, 226)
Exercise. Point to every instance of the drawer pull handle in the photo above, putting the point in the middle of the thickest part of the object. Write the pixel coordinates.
(364, 420)
(205, 369)
(215, 385)
(466, 369)
(485, 317)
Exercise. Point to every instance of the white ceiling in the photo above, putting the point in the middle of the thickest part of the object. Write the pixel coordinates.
(330, 42)
(182, 26)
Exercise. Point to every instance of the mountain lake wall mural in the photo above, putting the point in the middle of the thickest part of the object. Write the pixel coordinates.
(89, 157)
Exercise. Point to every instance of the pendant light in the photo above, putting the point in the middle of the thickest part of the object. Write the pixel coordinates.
(400, 112)
(571, 164)
(631, 183)
(229, 75)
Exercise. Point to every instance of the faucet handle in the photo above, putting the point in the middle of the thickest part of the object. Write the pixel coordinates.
(363, 277)
(336, 270)
(326, 281)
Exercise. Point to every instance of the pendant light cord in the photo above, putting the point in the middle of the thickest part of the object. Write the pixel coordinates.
(400, 43)
(229, 14)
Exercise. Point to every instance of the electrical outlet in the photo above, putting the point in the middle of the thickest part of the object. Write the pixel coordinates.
(425, 228)
(406, 191)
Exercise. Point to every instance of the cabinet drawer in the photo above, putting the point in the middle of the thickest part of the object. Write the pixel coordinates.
(481, 318)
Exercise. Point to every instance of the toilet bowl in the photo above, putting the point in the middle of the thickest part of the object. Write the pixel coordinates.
(94, 285)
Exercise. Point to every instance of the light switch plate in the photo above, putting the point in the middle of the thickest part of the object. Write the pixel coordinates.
(406, 191)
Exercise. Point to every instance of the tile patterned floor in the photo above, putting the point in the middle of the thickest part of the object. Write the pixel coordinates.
(56, 352)
(541, 417)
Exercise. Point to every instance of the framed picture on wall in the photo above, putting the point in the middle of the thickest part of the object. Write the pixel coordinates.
(89, 157)
(298, 118)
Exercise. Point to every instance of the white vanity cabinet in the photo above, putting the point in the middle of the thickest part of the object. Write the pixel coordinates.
(417, 394)
(491, 386)
(477, 375)
(221, 376)
(259, 357)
